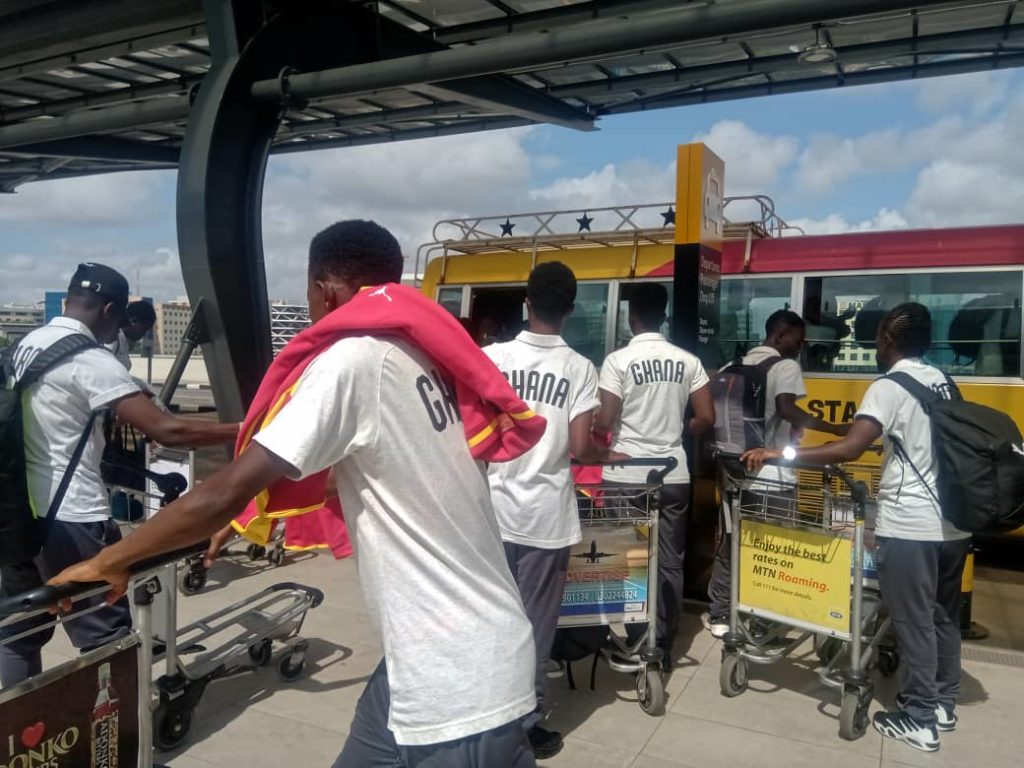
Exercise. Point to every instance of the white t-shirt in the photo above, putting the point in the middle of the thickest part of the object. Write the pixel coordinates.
(56, 409)
(654, 380)
(121, 349)
(907, 508)
(533, 495)
(784, 378)
(457, 644)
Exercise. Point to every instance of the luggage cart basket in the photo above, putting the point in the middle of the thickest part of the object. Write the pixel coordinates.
(242, 636)
(53, 697)
(802, 558)
(612, 576)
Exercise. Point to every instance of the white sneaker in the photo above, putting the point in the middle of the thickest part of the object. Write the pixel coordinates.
(554, 669)
(902, 727)
(945, 719)
(717, 625)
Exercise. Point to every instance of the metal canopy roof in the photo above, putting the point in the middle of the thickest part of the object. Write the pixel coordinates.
(93, 86)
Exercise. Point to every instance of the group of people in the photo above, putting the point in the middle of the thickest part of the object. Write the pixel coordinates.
(463, 565)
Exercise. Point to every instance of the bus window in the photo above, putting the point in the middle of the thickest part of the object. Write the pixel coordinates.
(622, 332)
(585, 328)
(497, 314)
(744, 306)
(451, 299)
(976, 319)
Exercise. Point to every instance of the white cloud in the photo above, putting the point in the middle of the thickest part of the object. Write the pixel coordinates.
(956, 193)
(753, 161)
(88, 200)
(150, 272)
(406, 187)
(829, 161)
(979, 92)
(635, 182)
(836, 224)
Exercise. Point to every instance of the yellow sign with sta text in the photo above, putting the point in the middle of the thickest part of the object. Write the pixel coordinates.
(796, 574)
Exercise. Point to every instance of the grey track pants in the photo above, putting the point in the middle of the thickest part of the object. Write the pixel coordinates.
(675, 503)
(66, 544)
(920, 583)
(721, 571)
(540, 576)
(371, 744)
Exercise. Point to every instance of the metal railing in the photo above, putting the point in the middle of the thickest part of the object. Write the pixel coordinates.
(648, 223)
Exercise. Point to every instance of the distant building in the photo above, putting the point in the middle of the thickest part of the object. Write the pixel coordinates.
(286, 320)
(172, 319)
(53, 304)
(17, 320)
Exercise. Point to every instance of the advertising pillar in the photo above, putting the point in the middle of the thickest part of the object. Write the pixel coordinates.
(700, 184)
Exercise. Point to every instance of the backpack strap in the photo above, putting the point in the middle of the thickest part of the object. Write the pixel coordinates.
(57, 352)
(771, 362)
(925, 396)
(69, 471)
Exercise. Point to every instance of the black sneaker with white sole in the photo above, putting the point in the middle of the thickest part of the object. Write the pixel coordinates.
(544, 743)
(902, 727)
(945, 719)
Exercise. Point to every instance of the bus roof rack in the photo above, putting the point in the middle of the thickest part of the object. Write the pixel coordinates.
(753, 218)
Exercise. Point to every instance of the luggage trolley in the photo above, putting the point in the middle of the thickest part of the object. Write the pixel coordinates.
(803, 559)
(613, 575)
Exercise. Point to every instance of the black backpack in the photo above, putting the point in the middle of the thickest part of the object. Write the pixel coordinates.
(575, 643)
(980, 454)
(740, 392)
(21, 534)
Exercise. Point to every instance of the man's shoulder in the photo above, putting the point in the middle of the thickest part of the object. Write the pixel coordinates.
(353, 351)
(575, 360)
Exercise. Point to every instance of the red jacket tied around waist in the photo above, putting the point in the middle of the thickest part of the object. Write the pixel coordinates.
(499, 426)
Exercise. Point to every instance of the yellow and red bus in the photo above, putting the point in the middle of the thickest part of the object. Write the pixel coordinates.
(972, 280)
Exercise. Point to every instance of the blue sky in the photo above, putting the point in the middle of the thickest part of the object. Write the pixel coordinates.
(938, 152)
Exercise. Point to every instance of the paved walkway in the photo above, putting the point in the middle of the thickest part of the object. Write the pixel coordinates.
(785, 720)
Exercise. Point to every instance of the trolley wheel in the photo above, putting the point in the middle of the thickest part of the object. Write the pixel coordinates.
(170, 727)
(888, 661)
(732, 678)
(290, 668)
(261, 652)
(650, 691)
(853, 716)
(255, 552)
(829, 649)
(192, 580)
(275, 556)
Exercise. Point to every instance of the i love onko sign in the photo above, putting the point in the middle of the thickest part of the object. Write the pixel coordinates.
(82, 713)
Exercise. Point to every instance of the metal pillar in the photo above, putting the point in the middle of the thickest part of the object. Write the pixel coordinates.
(223, 161)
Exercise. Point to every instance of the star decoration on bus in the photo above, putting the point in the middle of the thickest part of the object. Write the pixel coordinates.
(506, 228)
(669, 216)
(584, 221)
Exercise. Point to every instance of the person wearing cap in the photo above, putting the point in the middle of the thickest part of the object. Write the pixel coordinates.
(60, 410)
(140, 318)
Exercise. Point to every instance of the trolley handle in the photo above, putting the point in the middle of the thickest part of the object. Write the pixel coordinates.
(170, 484)
(48, 594)
(656, 476)
(858, 489)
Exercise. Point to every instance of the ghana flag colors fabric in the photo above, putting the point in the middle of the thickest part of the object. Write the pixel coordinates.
(499, 426)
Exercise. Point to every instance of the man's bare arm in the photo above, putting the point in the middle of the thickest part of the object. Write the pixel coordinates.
(167, 429)
(191, 519)
(581, 441)
(610, 413)
(703, 411)
(786, 407)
